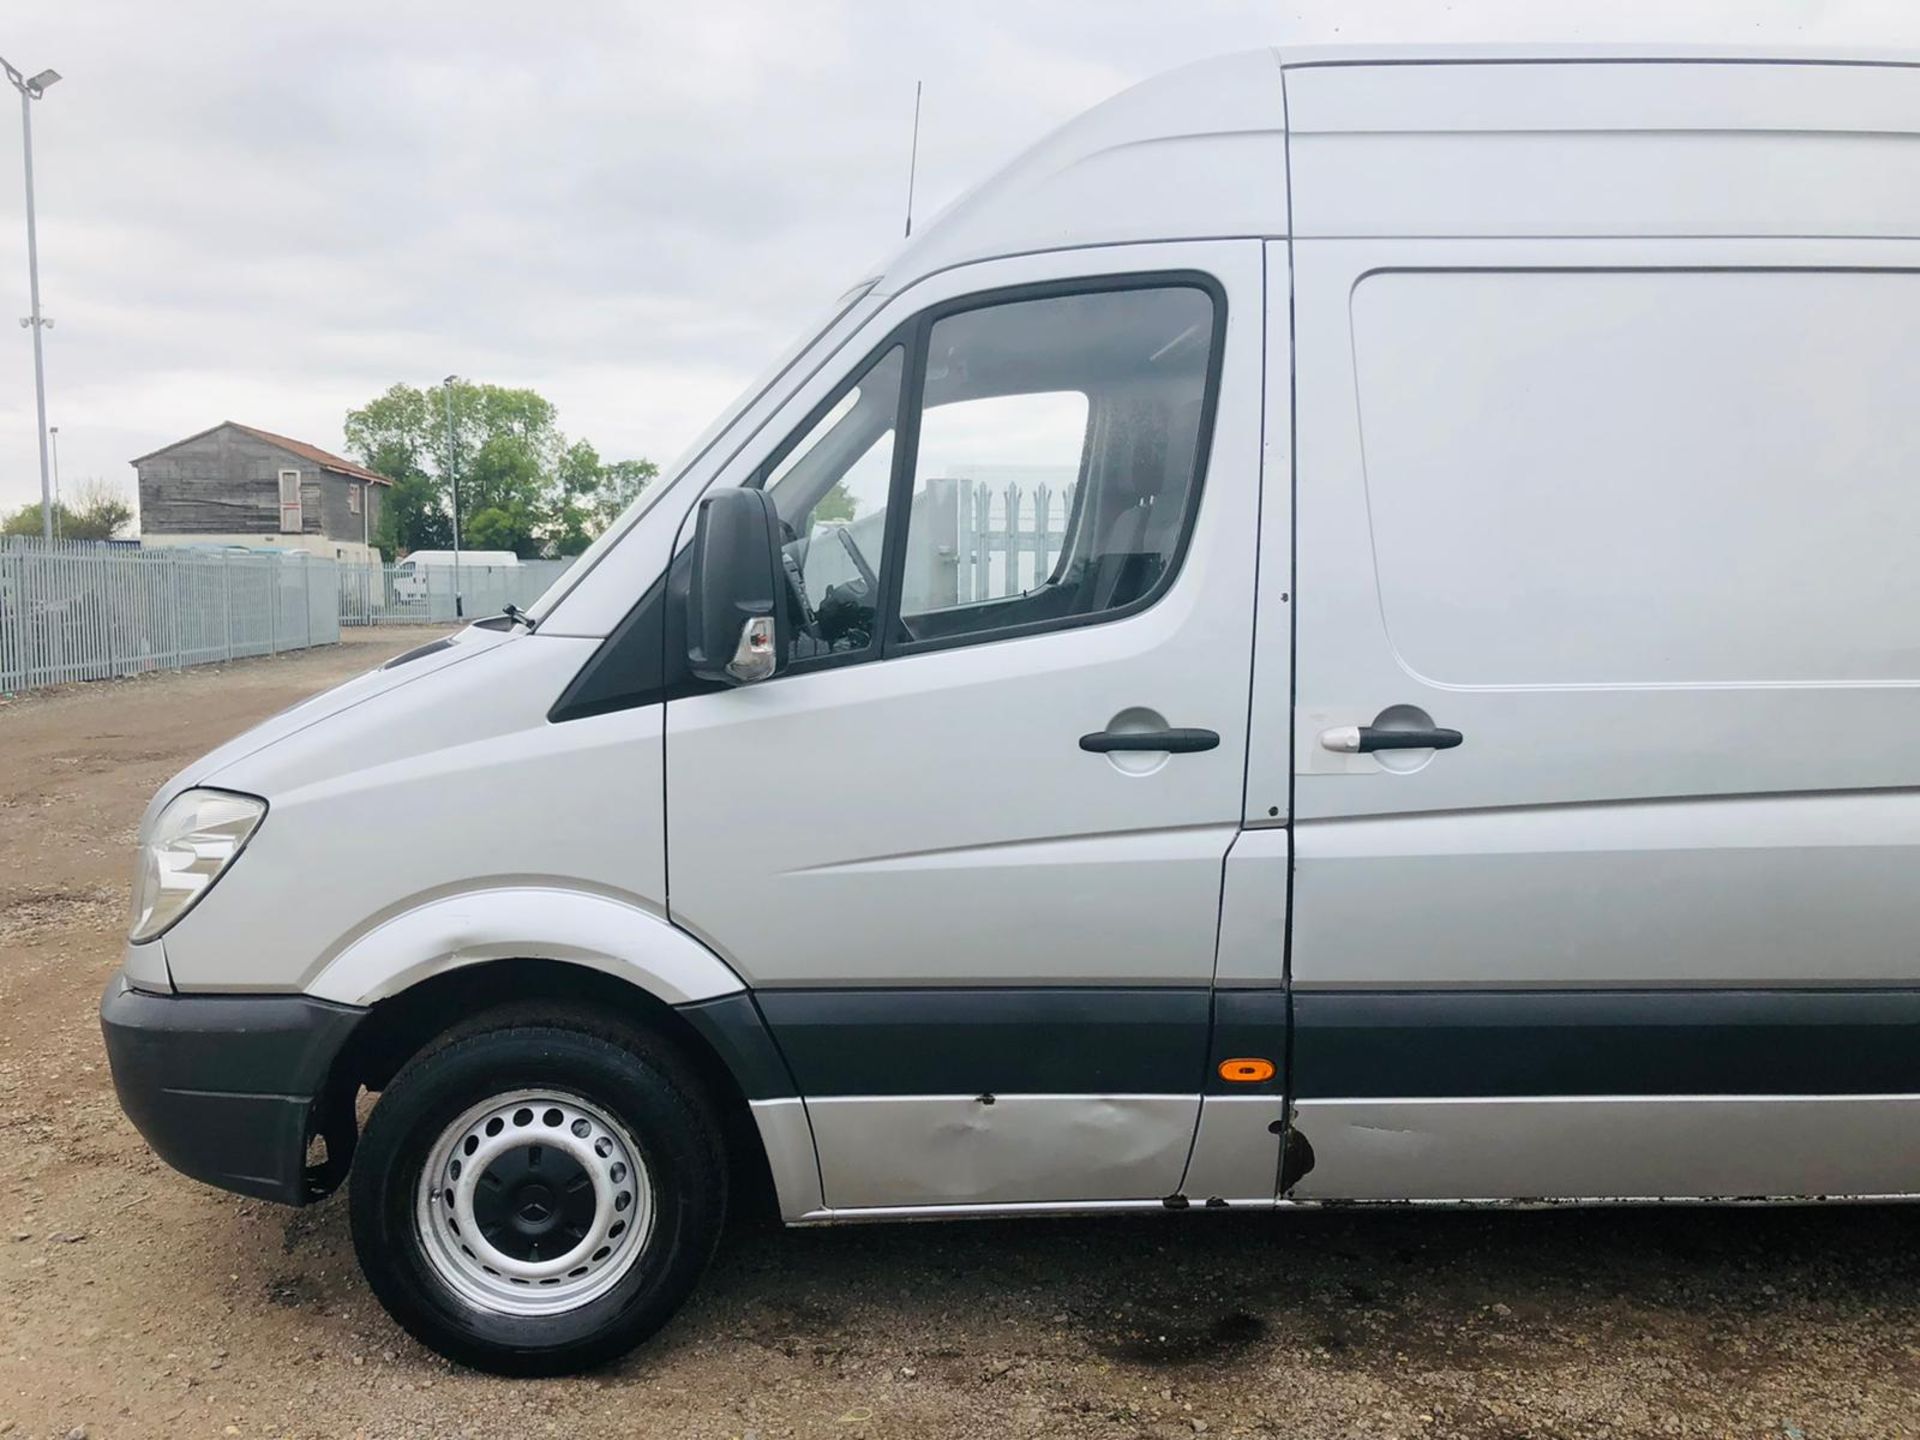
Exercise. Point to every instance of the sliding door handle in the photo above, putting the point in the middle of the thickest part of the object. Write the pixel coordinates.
(1364, 739)
(1178, 742)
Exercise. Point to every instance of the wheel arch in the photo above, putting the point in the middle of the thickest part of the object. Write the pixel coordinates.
(448, 932)
(727, 1059)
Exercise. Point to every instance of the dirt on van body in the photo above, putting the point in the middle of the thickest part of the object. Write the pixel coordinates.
(134, 1302)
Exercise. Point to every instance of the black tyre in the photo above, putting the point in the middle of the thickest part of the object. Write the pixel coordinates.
(537, 1198)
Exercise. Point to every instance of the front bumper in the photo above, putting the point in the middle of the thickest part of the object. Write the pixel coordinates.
(229, 1089)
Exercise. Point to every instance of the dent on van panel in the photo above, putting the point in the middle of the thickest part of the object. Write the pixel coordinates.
(997, 1149)
(525, 922)
(1236, 1151)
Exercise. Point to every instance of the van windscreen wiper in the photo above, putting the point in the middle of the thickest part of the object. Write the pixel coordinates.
(513, 615)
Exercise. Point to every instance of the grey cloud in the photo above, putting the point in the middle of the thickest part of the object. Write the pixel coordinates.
(270, 213)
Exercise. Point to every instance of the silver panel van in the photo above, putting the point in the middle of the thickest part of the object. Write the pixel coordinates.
(1344, 629)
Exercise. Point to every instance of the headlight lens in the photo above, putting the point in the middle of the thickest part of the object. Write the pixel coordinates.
(193, 842)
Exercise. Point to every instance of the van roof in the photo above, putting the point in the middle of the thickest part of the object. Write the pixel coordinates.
(1481, 53)
(1182, 155)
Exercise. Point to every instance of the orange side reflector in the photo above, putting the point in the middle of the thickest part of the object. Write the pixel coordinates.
(1246, 1072)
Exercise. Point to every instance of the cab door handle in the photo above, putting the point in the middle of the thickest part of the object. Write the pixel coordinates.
(1179, 742)
(1363, 739)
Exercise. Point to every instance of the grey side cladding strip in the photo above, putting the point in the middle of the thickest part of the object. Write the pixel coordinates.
(1415, 1044)
(978, 1041)
(731, 1024)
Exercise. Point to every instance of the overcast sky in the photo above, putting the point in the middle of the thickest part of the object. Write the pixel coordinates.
(269, 213)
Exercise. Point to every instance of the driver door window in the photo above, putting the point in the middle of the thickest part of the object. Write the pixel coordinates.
(830, 486)
(1058, 461)
(995, 493)
(1057, 445)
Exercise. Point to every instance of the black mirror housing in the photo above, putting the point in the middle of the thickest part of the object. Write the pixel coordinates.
(736, 625)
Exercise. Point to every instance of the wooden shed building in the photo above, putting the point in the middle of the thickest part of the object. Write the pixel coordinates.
(235, 485)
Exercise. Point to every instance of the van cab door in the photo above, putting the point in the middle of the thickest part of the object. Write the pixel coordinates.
(967, 847)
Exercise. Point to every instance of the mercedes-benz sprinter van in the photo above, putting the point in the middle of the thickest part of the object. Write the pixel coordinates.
(1346, 629)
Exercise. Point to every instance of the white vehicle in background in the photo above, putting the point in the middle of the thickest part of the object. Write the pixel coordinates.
(411, 581)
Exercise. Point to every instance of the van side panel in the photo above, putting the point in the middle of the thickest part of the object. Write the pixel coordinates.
(1617, 484)
(1642, 540)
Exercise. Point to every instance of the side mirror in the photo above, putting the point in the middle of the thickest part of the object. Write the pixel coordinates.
(735, 623)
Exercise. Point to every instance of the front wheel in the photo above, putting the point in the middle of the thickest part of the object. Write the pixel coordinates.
(534, 1199)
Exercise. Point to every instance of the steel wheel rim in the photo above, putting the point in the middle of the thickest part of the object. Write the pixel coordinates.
(533, 1202)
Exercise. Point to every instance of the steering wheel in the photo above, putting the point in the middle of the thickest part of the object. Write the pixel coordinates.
(796, 583)
(867, 577)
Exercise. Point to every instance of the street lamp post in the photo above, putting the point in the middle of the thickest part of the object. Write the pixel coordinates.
(53, 433)
(453, 476)
(31, 88)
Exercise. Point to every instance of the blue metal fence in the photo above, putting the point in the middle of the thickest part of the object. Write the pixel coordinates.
(73, 610)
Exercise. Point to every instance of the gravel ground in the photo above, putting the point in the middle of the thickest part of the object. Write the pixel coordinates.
(134, 1302)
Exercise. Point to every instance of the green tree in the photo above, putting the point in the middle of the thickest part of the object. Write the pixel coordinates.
(97, 511)
(590, 494)
(837, 504)
(523, 487)
(504, 482)
(503, 527)
(393, 434)
(620, 485)
(412, 517)
(578, 489)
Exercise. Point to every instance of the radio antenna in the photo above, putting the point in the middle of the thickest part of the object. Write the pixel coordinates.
(913, 158)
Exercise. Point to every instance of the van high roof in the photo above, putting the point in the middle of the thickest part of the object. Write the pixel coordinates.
(1201, 152)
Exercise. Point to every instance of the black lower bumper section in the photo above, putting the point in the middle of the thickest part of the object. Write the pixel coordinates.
(225, 1088)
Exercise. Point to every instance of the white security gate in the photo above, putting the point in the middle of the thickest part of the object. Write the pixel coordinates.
(402, 595)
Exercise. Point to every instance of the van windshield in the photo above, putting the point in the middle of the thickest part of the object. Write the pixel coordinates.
(671, 473)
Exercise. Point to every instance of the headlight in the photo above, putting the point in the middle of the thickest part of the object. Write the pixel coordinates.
(194, 840)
